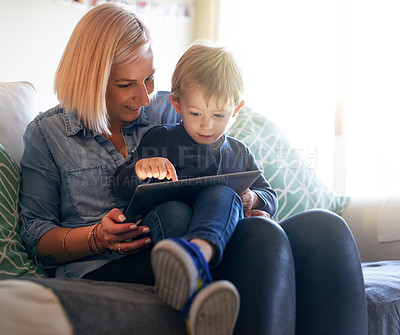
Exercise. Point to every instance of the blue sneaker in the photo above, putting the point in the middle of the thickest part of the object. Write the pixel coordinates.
(180, 271)
(214, 310)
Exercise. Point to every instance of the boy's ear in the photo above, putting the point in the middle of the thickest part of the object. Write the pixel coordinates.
(175, 104)
(241, 104)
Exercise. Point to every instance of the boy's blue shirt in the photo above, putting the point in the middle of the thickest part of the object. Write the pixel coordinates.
(190, 159)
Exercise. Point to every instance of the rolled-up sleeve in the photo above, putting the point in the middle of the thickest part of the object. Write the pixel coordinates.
(40, 199)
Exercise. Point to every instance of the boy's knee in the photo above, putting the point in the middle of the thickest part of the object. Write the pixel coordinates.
(170, 219)
(218, 191)
(176, 210)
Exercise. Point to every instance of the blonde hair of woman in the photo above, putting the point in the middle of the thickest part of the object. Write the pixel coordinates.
(112, 36)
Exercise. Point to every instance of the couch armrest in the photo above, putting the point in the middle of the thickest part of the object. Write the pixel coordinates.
(17, 109)
(361, 214)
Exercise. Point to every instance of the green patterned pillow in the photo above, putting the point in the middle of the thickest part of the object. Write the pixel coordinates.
(297, 185)
(14, 260)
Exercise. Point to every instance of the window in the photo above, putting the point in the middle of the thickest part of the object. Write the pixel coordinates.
(373, 103)
(328, 74)
(288, 57)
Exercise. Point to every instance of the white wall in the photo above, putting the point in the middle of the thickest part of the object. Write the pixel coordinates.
(33, 35)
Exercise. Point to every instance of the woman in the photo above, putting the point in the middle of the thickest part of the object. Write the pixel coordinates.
(305, 277)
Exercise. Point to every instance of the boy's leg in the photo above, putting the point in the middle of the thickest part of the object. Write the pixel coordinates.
(183, 281)
(180, 268)
(215, 215)
(258, 261)
(170, 219)
(166, 220)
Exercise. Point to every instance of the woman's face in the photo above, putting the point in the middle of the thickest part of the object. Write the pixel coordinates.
(128, 90)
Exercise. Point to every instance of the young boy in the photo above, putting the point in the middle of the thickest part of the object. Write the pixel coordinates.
(206, 91)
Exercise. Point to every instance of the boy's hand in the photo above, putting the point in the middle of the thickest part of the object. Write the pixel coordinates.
(257, 212)
(250, 200)
(156, 167)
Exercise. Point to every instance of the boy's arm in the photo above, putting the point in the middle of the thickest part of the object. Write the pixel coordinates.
(153, 144)
(267, 197)
(152, 156)
(125, 178)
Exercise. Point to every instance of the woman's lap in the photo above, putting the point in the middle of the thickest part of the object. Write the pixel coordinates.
(330, 292)
(213, 218)
(258, 261)
(326, 275)
(312, 253)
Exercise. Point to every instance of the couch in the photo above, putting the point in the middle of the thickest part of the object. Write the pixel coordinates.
(30, 300)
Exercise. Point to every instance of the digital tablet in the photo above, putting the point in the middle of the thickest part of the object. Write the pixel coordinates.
(148, 196)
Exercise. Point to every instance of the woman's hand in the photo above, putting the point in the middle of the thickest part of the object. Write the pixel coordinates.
(117, 236)
(156, 167)
(250, 200)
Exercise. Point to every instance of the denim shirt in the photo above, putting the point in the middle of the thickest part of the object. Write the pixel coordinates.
(67, 175)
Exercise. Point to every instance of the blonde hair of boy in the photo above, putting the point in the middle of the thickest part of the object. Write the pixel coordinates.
(107, 36)
(212, 68)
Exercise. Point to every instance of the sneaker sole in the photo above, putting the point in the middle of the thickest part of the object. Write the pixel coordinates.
(214, 310)
(174, 272)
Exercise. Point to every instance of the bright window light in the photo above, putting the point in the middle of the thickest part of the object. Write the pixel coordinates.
(287, 51)
(302, 60)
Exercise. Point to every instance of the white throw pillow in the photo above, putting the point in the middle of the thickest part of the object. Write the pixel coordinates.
(17, 109)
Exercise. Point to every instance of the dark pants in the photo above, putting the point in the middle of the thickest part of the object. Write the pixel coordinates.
(330, 291)
(302, 277)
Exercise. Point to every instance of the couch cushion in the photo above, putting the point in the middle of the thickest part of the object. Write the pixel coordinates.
(17, 109)
(297, 185)
(100, 307)
(30, 308)
(13, 258)
(382, 288)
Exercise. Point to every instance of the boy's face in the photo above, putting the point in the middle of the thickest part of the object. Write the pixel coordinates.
(204, 123)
